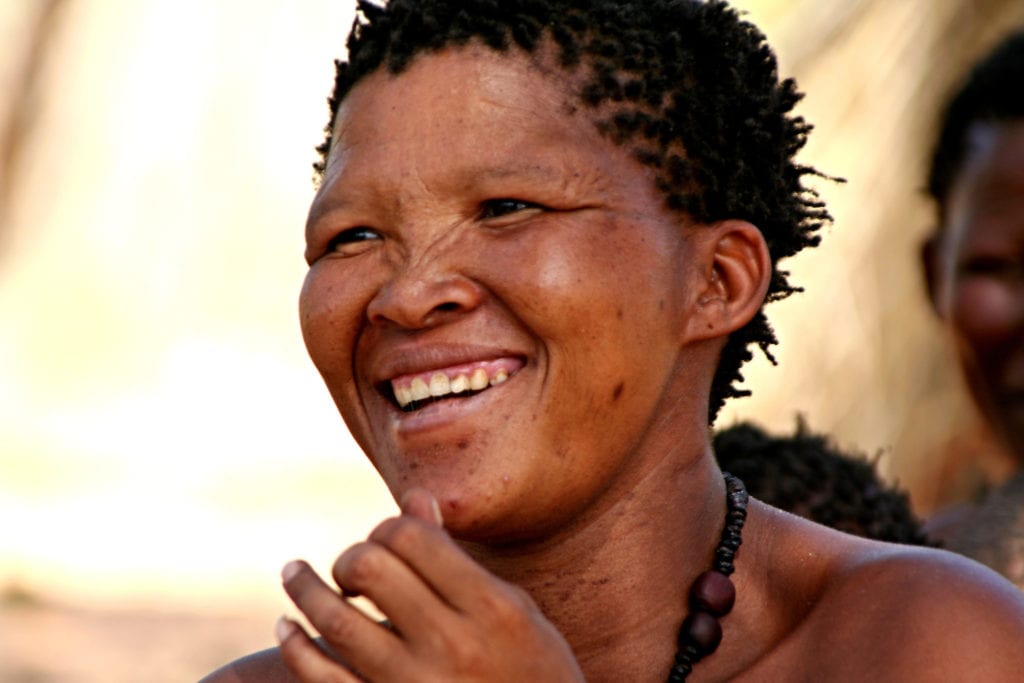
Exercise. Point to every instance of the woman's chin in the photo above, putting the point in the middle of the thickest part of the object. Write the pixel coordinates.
(486, 517)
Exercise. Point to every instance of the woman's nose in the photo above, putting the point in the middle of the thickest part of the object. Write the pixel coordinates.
(421, 297)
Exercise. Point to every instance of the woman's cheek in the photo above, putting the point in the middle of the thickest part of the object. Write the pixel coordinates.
(327, 316)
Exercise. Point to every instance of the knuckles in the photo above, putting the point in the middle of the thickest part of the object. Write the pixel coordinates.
(360, 566)
(338, 626)
(404, 534)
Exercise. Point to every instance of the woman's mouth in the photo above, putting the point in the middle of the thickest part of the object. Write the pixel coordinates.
(414, 391)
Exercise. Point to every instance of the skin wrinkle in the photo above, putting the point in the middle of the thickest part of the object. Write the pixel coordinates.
(557, 103)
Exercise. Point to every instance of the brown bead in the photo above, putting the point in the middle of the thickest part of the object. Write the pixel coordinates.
(702, 631)
(713, 592)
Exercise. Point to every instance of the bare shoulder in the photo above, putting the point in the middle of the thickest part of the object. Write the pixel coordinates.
(922, 614)
(851, 609)
(265, 666)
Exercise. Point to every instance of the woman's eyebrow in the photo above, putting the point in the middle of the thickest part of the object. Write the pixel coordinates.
(322, 209)
(513, 170)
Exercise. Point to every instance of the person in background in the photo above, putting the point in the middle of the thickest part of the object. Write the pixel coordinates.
(806, 474)
(974, 270)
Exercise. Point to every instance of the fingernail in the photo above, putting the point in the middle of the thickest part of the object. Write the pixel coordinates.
(437, 511)
(283, 629)
(289, 571)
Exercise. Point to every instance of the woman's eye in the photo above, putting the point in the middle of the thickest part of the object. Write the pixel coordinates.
(352, 241)
(496, 208)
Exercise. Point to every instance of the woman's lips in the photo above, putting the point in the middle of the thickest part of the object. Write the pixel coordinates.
(413, 390)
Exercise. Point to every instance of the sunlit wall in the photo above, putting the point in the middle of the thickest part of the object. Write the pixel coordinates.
(162, 435)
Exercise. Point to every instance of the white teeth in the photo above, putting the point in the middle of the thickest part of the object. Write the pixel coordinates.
(442, 385)
(478, 380)
(419, 390)
(439, 384)
(403, 395)
(459, 384)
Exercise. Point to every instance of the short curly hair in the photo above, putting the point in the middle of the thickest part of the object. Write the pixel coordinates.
(805, 474)
(690, 86)
(993, 91)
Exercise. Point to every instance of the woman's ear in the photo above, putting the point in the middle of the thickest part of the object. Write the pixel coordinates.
(736, 270)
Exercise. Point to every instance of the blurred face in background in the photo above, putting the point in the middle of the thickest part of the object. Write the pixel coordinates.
(979, 288)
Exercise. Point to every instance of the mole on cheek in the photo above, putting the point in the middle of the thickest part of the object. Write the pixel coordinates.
(618, 391)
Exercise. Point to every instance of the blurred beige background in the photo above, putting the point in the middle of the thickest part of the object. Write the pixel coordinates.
(165, 446)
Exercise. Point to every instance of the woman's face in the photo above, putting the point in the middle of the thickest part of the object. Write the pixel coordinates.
(981, 274)
(476, 241)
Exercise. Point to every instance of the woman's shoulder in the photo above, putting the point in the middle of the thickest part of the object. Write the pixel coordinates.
(858, 609)
(920, 614)
(265, 666)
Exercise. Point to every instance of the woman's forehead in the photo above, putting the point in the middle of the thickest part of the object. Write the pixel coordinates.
(468, 102)
(461, 126)
(472, 69)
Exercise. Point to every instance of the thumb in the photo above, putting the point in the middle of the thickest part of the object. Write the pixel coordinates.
(422, 504)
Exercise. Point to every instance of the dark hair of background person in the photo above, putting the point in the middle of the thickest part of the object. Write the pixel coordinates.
(715, 124)
(805, 474)
(993, 91)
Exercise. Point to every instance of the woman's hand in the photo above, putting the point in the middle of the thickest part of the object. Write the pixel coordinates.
(450, 619)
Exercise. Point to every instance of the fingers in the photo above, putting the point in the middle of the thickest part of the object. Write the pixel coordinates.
(363, 643)
(372, 570)
(429, 552)
(307, 661)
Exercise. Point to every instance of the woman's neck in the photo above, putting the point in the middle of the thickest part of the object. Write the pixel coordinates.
(616, 584)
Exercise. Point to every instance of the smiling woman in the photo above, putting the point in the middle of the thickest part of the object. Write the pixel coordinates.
(539, 252)
(532, 294)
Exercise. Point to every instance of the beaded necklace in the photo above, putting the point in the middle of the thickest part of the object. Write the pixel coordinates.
(712, 594)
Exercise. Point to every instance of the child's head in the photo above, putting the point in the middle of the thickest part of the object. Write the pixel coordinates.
(806, 475)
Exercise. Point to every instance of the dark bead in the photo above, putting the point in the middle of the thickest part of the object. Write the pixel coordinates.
(702, 631)
(732, 543)
(714, 593)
